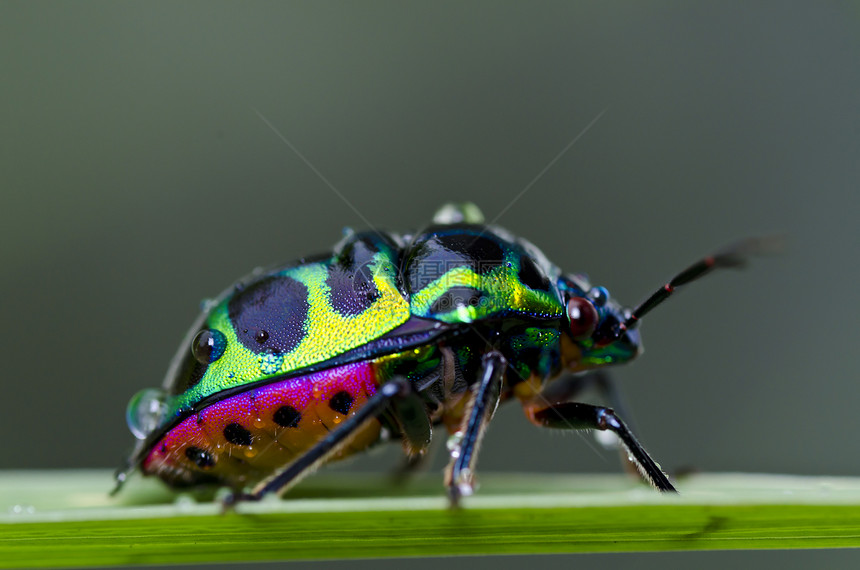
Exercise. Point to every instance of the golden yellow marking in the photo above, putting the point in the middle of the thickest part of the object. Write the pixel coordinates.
(327, 333)
(529, 388)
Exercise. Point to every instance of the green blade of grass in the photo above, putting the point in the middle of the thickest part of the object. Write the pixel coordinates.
(66, 518)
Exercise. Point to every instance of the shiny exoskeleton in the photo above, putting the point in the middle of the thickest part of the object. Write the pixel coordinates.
(389, 336)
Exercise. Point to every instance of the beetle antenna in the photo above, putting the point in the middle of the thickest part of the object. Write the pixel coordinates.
(734, 256)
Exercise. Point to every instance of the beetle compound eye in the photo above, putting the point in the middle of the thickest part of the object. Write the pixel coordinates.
(208, 346)
(145, 410)
(583, 317)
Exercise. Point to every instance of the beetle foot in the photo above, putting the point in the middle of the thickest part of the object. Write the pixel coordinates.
(232, 499)
(462, 486)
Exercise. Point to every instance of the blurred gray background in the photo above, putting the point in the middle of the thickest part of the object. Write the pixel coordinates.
(137, 179)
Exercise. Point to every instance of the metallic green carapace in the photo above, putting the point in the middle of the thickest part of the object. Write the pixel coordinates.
(331, 310)
(294, 318)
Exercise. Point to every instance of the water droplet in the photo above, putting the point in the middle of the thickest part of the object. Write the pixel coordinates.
(250, 452)
(336, 420)
(22, 510)
(454, 443)
(259, 423)
(208, 346)
(261, 336)
(145, 411)
(184, 503)
(455, 213)
(464, 482)
(271, 362)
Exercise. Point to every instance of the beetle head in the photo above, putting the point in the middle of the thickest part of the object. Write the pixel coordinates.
(594, 329)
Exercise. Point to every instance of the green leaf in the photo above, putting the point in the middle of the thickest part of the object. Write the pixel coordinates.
(66, 518)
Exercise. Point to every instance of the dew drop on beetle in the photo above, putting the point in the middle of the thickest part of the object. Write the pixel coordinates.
(145, 411)
(208, 346)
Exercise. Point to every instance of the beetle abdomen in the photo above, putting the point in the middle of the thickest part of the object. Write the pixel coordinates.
(242, 439)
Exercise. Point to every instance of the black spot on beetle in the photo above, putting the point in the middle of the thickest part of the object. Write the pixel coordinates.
(441, 250)
(287, 416)
(350, 277)
(238, 435)
(456, 297)
(531, 275)
(341, 402)
(269, 315)
(201, 458)
(483, 253)
(362, 247)
(352, 289)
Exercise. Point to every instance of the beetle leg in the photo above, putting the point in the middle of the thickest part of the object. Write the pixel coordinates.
(396, 395)
(464, 444)
(574, 415)
(411, 415)
(569, 388)
(607, 388)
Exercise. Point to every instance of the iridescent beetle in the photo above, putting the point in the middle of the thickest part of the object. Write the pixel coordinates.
(386, 338)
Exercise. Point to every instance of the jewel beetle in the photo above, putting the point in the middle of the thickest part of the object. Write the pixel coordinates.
(390, 337)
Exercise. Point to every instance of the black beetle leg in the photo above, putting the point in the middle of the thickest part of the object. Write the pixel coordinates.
(569, 388)
(396, 396)
(414, 463)
(463, 445)
(573, 415)
(410, 413)
(608, 390)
